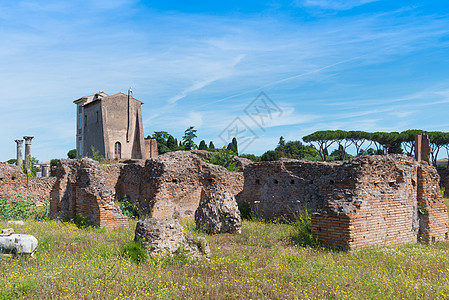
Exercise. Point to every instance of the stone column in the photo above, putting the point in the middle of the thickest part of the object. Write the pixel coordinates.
(45, 169)
(28, 151)
(19, 152)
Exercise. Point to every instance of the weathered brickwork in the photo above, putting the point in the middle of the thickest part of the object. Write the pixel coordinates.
(163, 187)
(151, 148)
(368, 201)
(14, 182)
(84, 187)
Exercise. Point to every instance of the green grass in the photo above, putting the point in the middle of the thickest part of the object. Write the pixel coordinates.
(260, 263)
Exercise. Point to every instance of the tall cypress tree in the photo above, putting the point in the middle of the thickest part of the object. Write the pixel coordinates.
(234, 143)
(202, 145)
(211, 146)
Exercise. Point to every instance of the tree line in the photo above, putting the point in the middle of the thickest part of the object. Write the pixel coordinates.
(168, 143)
(367, 143)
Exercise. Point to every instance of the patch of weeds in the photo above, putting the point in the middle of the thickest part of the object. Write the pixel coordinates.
(134, 251)
(303, 231)
(18, 290)
(293, 259)
(45, 243)
(246, 212)
(41, 212)
(129, 208)
(81, 221)
(20, 208)
(178, 258)
(422, 210)
(104, 250)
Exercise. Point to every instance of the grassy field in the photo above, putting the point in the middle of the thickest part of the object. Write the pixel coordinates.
(260, 263)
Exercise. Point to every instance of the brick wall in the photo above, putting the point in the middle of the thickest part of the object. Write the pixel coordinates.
(368, 201)
(14, 182)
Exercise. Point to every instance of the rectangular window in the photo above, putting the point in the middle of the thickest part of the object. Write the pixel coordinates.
(80, 122)
(85, 121)
(97, 116)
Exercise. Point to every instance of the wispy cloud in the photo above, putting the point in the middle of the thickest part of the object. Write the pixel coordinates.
(203, 69)
(219, 71)
(334, 4)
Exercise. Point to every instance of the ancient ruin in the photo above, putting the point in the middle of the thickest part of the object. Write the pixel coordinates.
(368, 201)
(167, 186)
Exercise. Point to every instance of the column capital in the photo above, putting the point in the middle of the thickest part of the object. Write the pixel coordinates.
(28, 139)
(18, 141)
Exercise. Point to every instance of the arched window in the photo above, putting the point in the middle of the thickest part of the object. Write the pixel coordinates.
(118, 150)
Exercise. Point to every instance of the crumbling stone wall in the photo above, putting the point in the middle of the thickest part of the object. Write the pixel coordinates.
(84, 187)
(370, 200)
(14, 182)
(172, 183)
(169, 185)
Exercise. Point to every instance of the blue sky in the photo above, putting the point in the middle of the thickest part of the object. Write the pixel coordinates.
(325, 64)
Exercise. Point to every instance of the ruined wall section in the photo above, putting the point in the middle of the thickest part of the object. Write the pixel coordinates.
(370, 200)
(39, 189)
(167, 186)
(285, 187)
(432, 210)
(84, 187)
(172, 183)
(382, 211)
(14, 182)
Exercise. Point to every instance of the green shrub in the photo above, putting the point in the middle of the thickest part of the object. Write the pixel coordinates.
(178, 258)
(134, 251)
(18, 290)
(303, 231)
(129, 209)
(223, 157)
(96, 154)
(54, 162)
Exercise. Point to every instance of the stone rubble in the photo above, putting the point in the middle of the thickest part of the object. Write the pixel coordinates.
(218, 213)
(167, 237)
